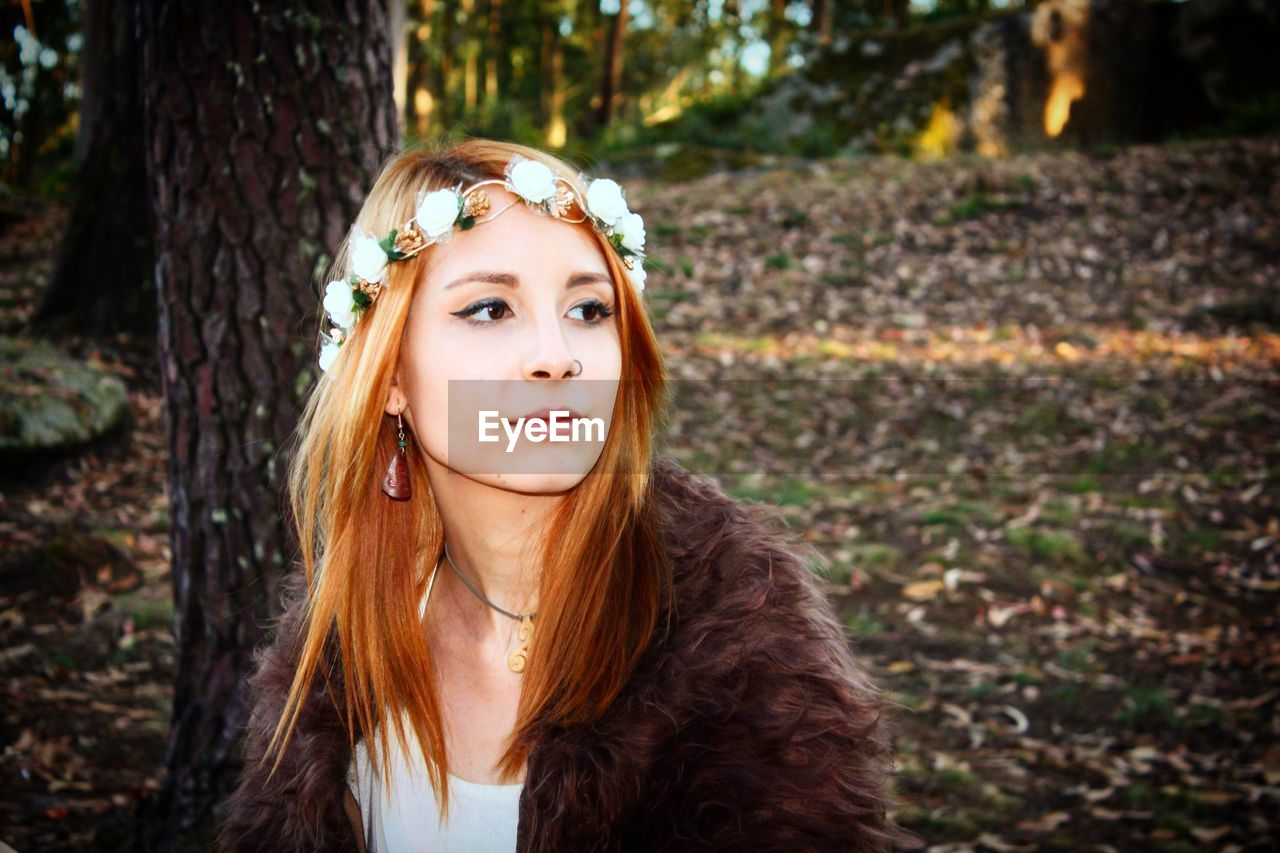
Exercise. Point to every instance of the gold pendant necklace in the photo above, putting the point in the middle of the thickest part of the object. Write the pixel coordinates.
(516, 660)
(520, 656)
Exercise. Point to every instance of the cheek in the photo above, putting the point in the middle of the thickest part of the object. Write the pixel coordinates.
(428, 363)
(428, 394)
(605, 352)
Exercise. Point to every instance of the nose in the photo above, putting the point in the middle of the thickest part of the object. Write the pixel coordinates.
(551, 357)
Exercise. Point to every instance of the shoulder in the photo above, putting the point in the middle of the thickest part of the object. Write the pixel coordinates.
(786, 740)
(276, 660)
(299, 805)
(737, 564)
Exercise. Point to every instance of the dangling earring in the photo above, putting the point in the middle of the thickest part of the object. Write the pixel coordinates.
(396, 482)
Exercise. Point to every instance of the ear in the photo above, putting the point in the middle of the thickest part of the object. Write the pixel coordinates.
(397, 402)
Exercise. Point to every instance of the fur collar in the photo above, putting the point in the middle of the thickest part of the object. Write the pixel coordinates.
(749, 726)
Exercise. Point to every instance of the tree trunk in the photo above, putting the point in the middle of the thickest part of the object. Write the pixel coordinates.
(557, 128)
(421, 101)
(545, 32)
(588, 26)
(398, 35)
(820, 22)
(777, 32)
(470, 66)
(446, 60)
(102, 279)
(732, 24)
(901, 13)
(494, 51)
(612, 78)
(263, 131)
(471, 75)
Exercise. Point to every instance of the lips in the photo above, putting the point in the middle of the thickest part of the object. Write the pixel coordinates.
(544, 415)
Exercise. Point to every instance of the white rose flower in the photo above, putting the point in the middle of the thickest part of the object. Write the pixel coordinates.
(631, 227)
(340, 304)
(638, 275)
(533, 181)
(328, 352)
(437, 212)
(605, 201)
(368, 260)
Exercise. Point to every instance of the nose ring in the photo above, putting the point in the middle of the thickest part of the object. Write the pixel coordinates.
(575, 361)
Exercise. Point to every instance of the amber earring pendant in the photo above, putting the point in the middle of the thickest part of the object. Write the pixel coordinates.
(396, 481)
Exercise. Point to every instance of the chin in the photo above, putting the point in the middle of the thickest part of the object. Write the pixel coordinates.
(536, 470)
(534, 484)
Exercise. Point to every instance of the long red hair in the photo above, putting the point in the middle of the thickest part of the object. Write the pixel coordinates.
(367, 558)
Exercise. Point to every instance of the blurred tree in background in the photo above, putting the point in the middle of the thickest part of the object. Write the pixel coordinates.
(102, 282)
(40, 92)
(599, 77)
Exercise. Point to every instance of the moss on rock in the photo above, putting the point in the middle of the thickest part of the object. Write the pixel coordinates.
(52, 403)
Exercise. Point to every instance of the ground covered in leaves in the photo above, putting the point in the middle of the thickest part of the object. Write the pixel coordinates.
(1024, 410)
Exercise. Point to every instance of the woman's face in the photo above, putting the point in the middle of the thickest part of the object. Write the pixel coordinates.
(509, 311)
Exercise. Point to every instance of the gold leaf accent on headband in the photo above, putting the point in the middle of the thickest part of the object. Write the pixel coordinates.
(410, 238)
(476, 203)
(370, 289)
(565, 198)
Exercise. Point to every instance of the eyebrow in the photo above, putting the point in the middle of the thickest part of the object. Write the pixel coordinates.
(509, 279)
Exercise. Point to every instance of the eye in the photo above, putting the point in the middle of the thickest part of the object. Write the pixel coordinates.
(596, 307)
(490, 305)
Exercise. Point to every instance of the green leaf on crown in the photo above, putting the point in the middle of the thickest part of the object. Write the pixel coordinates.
(361, 299)
(388, 244)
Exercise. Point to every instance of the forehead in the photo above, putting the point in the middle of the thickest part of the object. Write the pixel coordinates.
(517, 239)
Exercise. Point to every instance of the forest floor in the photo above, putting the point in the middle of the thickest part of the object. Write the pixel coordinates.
(1024, 409)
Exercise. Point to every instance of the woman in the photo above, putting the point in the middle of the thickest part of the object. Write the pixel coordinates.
(577, 647)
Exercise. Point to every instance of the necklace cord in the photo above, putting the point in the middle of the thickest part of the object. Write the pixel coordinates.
(477, 592)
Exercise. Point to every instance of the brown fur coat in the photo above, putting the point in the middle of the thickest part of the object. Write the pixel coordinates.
(750, 727)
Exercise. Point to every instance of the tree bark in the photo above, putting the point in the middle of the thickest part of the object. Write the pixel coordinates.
(612, 77)
(263, 128)
(102, 278)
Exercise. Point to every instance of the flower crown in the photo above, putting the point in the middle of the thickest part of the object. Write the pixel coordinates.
(438, 212)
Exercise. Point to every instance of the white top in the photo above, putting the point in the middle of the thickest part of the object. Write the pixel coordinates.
(406, 818)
